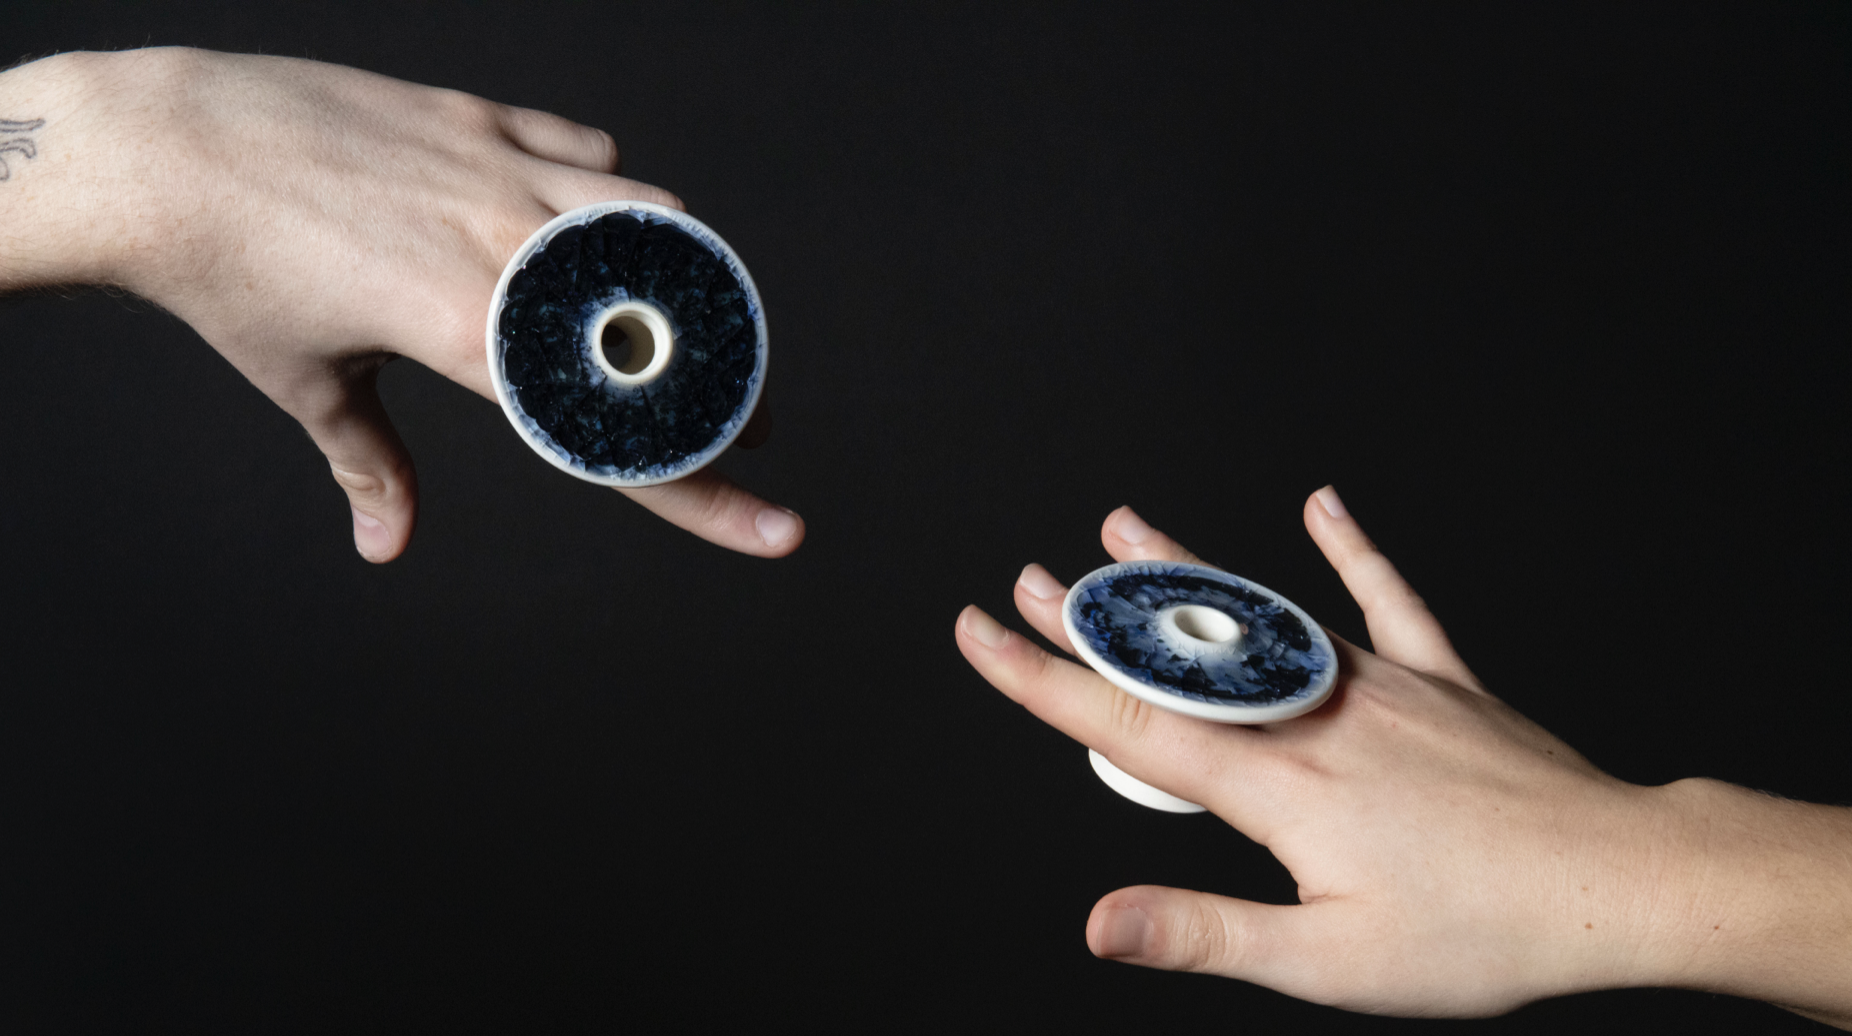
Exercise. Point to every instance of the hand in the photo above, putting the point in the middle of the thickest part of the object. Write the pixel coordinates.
(311, 222)
(1452, 858)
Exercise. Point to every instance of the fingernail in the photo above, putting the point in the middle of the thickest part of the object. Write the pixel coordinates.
(371, 538)
(775, 525)
(1328, 499)
(1131, 528)
(984, 629)
(1122, 934)
(1039, 583)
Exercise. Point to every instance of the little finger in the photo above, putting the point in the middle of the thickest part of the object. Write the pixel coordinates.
(713, 507)
(556, 139)
(1402, 629)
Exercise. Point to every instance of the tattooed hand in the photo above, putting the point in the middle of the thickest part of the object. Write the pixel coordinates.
(311, 222)
(13, 137)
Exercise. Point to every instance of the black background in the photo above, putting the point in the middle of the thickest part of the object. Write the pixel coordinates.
(1554, 297)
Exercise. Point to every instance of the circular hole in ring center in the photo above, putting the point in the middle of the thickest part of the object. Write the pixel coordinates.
(628, 344)
(1205, 624)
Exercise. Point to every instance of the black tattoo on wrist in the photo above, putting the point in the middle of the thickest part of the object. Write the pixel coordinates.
(15, 137)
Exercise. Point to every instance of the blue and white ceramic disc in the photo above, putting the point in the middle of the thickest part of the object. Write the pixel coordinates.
(662, 278)
(1199, 641)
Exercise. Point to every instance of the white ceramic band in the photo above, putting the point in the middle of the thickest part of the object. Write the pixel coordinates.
(1138, 791)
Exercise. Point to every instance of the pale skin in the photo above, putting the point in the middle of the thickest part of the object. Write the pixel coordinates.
(1453, 858)
(312, 222)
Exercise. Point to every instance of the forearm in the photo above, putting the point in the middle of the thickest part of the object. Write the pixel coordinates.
(1766, 907)
(72, 208)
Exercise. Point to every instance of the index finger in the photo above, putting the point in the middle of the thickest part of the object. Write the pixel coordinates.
(1190, 758)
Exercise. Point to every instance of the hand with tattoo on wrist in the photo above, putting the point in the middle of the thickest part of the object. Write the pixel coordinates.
(312, 222)
(1453, 859)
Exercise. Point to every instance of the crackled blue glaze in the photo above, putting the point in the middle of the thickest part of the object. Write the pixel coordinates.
(560, 397)
(1281, 657)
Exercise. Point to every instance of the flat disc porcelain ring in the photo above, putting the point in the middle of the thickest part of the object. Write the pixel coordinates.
(627, 343)
(1199, 641)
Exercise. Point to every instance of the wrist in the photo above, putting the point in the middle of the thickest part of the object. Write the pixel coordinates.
(82, 205)
(1761, 904)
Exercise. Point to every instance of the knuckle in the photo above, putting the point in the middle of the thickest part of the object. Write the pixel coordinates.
(604, 148)
(1383, 586)
(1202, 940)
(468, 112)
(389, 481)
(1023, 676)
(1369, 561)
(1038, 666)
(721, 507)
(503, 229)
(361, 484)
(1130, 717)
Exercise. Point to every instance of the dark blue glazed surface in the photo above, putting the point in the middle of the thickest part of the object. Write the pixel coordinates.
(653, 431)
(1280, 659)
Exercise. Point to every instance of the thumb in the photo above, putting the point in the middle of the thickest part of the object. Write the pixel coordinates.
(348, 422)
(1180, 930)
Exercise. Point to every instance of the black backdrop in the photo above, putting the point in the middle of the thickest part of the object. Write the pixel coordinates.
(1552, 297)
